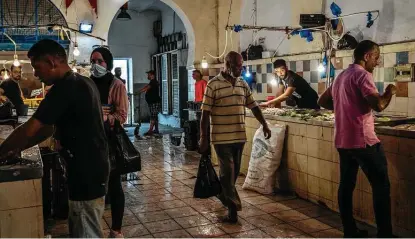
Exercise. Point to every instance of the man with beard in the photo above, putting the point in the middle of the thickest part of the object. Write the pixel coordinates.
(292, 88)
(11, 88)
(225, 99)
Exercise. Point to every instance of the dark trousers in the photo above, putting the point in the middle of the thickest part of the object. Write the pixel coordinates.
(229, 156)
(372, 160)
(117, 200)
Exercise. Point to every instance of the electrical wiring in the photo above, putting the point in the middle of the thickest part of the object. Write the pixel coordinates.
(282, 40)
(231, 41)
(357, 13)
(329, 31)
(224, 50)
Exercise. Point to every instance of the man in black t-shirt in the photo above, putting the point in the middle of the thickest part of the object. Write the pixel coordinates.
(73, 106)
(154, 102)
(11, 89)
(293, 89)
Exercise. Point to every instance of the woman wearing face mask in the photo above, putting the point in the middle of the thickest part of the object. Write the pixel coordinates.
(115, 107)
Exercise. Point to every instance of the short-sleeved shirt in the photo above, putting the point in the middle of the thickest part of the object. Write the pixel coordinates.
(73, 105)
(304, 96)
(153, 95)
(200, 87)
(226, 103)
(12, 91)
(354, 122)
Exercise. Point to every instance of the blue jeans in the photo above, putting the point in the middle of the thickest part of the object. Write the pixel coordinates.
(85, 218)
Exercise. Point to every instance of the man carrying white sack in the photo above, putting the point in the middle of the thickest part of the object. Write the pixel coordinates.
(224, 102)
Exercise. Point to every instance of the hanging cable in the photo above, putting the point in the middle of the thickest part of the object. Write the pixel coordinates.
(224, 50)
(230, 12)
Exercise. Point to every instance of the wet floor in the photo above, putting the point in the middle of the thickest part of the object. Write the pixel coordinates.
(161, 204)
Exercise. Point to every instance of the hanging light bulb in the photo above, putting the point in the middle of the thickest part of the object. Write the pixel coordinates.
(6, 75)
(247, 73)
(274, 82)
(76, 51)
(16, 61)
(204, 63)
(321, 68)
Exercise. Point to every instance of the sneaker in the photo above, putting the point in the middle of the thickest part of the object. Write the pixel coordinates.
(115, 234)
(149, 133)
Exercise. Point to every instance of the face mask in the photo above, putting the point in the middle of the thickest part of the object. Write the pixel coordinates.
(98, 71)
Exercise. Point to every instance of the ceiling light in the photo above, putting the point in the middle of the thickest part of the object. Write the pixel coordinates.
(321, 68)
(204, 63)
(16, 61)
(123, 15)
(247, 73)
(76, 51)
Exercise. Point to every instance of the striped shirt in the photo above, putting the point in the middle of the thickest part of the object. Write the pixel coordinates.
(227, 106)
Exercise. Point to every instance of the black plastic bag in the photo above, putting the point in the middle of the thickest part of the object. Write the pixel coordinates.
(207, 182)
(127, 157)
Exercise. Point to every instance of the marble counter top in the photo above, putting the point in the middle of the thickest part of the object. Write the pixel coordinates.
(383, 130)
(30, 165)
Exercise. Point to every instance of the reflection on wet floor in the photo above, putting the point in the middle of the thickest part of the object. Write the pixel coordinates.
(161, 204)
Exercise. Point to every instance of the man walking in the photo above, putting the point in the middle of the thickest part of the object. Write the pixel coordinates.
(72, 105)
(353, 96)
(225, 99)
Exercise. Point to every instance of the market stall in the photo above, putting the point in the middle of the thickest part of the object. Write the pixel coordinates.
(21, 193)
(310, 164)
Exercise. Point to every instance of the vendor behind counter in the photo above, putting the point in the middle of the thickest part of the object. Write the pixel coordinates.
(292, 88)
(11, 88)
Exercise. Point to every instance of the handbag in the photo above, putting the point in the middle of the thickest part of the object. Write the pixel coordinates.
(127, 157)
(207, 182)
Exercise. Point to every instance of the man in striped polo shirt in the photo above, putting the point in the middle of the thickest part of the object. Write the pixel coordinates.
(224, 102)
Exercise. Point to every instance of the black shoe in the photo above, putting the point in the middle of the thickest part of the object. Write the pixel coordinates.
(358, 234)
(228, 219)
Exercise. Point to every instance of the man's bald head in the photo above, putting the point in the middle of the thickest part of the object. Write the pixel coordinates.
(234, 64)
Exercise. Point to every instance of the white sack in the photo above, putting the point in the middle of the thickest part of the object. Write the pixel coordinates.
(265, 160)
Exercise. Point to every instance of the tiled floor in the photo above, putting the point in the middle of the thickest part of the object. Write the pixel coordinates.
(161, 204)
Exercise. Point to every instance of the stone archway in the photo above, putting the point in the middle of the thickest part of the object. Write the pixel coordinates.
(105, 24)
(189, 30)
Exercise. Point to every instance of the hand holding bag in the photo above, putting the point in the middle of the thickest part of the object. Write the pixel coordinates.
(127, 157)
(207, 182)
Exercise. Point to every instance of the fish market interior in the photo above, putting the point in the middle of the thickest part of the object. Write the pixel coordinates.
(207, 118)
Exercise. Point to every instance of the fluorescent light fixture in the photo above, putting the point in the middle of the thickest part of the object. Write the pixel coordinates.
(85, 27)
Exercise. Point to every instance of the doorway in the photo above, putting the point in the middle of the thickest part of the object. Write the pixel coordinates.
(126, 65)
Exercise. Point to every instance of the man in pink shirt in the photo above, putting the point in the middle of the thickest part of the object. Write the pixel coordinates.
(353, 96)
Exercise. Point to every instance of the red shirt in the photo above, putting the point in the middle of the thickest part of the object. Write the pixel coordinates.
(200, 87)
(354, 122)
